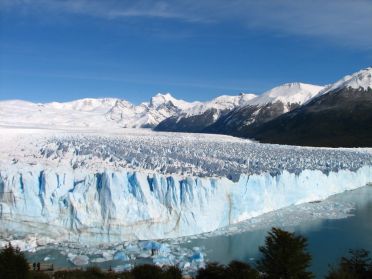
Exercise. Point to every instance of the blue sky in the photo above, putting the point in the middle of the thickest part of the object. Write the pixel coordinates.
(59, 50)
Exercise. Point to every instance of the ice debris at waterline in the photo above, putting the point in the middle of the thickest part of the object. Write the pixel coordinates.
(140, 185)
(123, 256)
(116, 206)
(130, 254)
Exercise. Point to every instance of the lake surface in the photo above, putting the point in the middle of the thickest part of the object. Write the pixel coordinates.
(328, 239)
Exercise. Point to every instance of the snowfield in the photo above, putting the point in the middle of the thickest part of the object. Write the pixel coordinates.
(106, 186)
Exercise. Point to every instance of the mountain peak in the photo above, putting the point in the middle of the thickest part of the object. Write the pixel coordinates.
(294, 92)
(166, 98)
(161, 98)
(359, 80)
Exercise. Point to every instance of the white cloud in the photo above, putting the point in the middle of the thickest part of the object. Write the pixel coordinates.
(344, 22)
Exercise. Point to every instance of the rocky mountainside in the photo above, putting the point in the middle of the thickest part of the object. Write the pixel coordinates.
(201, 115)
(264, 108)
(340, 115)
(147, 115)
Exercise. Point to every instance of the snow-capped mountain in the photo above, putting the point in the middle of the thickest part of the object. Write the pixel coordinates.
(173, 114)
(80, 113)
(361, 80)
(287, 109)
(262, 108)
(220, 104)
(147, 115)
(87, 105)
(340, 115)
(109, 112)
(288, 94)
(94, 113)
(202, 115)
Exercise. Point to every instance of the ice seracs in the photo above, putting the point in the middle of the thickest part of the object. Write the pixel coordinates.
(93, 188)
(113, 206)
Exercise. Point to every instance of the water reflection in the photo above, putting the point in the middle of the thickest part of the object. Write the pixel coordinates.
(328, 239)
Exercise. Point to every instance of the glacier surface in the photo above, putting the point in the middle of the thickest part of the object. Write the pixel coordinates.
(113, 206)
(91, 188)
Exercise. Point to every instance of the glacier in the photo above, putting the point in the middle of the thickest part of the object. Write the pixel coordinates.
(92, 188)
(110, 206)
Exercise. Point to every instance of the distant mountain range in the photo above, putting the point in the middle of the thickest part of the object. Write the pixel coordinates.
(252, 111)
(339, 116)
(92, 113)
(335, 115)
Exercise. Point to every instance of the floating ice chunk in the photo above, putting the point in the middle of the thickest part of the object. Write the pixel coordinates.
(133, 248)
(197, 256)
(184, 265)
(99, 260)
(124, 267)
(164, 261)
(79, 260)
(164, 249)
(121, 256)
(108, 255)
(151, 245)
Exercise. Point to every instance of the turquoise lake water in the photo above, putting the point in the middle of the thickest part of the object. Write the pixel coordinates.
(328, 239)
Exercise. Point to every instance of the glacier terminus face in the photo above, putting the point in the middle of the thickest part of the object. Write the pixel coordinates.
(114, 186)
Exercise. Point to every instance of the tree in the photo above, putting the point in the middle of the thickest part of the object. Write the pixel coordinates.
(13, 264)
(147, 271)
(284, 256)
(357, 266)
(94, 273)
(240, 270)
(172, 272)
(212, 271)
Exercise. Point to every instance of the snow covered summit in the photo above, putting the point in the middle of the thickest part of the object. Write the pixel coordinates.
(359, 80)
(146, 115)
(220, 104)
(89, 112)
(288, 93)
(167, 99)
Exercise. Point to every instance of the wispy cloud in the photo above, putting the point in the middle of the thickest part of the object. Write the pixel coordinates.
(222, 85)
(343, 22)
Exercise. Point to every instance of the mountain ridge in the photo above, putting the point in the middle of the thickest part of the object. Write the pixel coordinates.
(338, 114)
(261, 108)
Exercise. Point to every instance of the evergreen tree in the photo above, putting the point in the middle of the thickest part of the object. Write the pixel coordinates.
(240, 270)
(13, 264)
(357, 266)
(147, 271)
(284, 256)
(172, 272)
(212, 271)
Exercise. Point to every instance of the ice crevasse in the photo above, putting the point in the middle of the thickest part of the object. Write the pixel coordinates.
(111, 206)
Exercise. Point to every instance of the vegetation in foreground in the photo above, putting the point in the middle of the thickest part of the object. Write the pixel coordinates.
(284, 255)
